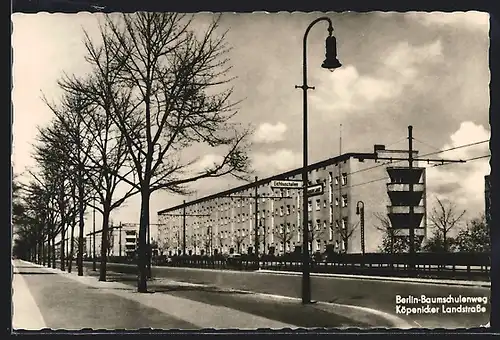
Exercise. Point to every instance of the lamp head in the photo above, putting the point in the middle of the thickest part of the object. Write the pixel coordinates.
(357, 210)
(331, 62)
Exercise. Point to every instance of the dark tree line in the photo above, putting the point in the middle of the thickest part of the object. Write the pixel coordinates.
(157, 89)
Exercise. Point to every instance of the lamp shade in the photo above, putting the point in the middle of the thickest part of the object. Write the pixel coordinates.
(331, 62)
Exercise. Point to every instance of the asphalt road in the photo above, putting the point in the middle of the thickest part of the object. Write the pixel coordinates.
(283, 310)
(379, 295)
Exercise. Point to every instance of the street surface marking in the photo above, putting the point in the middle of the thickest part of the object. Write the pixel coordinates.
(26, 314)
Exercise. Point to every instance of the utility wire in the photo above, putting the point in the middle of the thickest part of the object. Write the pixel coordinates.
(428, 154)
(426, 144)
(467, 160)
(387, 177)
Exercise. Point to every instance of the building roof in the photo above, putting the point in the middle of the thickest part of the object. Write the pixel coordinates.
(284, 175)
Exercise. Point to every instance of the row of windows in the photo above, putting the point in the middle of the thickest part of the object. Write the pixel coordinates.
(240, 202)
(286, 230)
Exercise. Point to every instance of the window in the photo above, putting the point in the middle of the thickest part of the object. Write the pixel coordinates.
(330, 177)
(324, 225)
(344, 201)
(330, 233)
(337, 224)
(336, 201)
(324, 203)
(287, 192)
(318, 204)
(344, 178)
(288, 209)
(281, 211)
(331, 214)
(318, 224)
(344, 222)
(293, 209)
(309, 206)
(336, 180)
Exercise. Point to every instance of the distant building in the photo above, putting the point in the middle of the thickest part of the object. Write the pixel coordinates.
(229, 224)
(122, 239)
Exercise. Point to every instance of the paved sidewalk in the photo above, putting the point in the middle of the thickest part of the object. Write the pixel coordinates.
(68, 301)
(25, 311)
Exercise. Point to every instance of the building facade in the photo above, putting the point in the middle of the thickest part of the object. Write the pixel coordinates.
(122, 240)
(226, 222)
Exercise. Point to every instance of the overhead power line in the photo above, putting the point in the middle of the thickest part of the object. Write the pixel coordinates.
(387, 177)
(424, 155)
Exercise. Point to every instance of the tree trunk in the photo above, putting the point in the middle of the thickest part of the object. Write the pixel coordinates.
(41, 252)
(445, 245)
(48, 252)
(53, 252)
(71, 248)
(81, 221)
(104, 243)
(142, 286)
(63, 248)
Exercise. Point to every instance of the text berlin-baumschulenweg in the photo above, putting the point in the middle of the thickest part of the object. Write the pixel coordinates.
(445, 304)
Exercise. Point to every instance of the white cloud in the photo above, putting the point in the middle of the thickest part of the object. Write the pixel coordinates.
(346, 90)
(270, 133)
(271, 163)
(462, 183)
(207, 162)
(470, 19)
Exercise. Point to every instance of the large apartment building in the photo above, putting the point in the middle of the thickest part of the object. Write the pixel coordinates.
(225, 222)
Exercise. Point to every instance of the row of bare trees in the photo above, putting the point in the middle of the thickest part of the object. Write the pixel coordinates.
(156, 91)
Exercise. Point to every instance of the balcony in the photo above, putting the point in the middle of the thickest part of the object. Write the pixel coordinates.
(395, 187)
(395, 209)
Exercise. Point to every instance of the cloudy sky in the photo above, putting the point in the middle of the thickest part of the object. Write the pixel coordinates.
(429, 70)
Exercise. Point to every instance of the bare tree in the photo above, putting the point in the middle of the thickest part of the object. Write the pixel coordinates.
(393, 240)
(346, 231)
(67, 145)
(444, 218)
(89, 122)
(285, 233)
(195, 241)
(239, 237)
(178, 84)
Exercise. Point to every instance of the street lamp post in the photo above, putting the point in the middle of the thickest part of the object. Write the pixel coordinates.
(331, 62)
(360, 210)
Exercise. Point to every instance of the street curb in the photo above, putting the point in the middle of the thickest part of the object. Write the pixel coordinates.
(479, 284)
